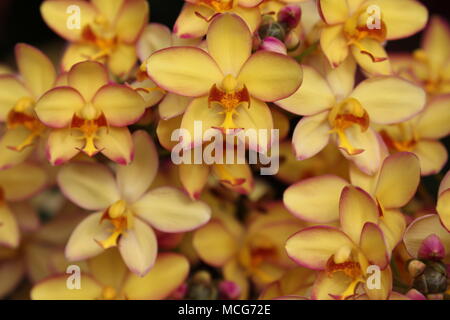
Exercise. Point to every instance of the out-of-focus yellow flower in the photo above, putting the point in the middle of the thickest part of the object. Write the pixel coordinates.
(229, 83)
(344, 113)
(443, 204)
(126, 211)
(430, 65)
(17, 184)
(107, 30)
(255, 253)
(89, 115)
(107, 278)
(343, 255)
(421, 135)
(195, 16)
(18, 97)
(351, 28)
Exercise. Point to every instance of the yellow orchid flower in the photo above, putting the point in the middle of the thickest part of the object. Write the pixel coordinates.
(16, 184)
(18, 97)
(101, 30)
(107, 278)
(255, 253)
(344, 255)
(361, 27)
(229, 84)
(156, 37)
(345, 114)
(196, 15)
(443, 204)
(317, 199)
(89, 115)
(126, 212)
(420, 135)
(430, 65)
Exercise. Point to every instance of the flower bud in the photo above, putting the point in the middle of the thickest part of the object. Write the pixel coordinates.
(416, 268)
(292, 41)
(229, 290)
(433, 280)
(290, 16)
(432, 248)
(274, 45)
(272, 29)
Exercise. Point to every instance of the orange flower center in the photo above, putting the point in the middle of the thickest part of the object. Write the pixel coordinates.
(100, 34)
(344, 115)
(406, 140)
(357, 28)
(22, 114)
(218, 5)
(121, 220)
(229, 97)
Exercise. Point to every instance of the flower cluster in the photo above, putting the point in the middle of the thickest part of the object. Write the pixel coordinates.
(106, 190)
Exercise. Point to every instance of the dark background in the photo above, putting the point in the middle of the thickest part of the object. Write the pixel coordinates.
(20, 21)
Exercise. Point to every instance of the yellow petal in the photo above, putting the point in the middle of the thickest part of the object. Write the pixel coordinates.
(134, 179)
(434, 43)
(55, 288)
(164, 132)
(170, 210)
(434, 121)
(36, 69)
(229, 43)
(373, 245)
(62, 146)
(122, 59)
(186, 71)
(233, 272)
(131, 20)
(13, 137)
(214, 243)
(273, 83)
(82, 242)
(400, 99)
(252, 16)
(121, 105)
(385, 288)
(88, 77)
(393, 225)
(256, 117)
(168, 273)
(326, 288)
(334, 44)
(155, 37)
(398, 180)
(443, 208)
(89, 185)
(315, 199)
(116, 144)
(9, 230)
(22, 181)
(56, 16)
(364, 54)
(138, 248)
(403, 18)
(356, 208)
(76, 53)
(108, 268)
(333, 11)
(12, 91)
(312, 247)
(432, 156)
(194, 178)
(11, 273)
(173, 105)
(109, 8)
(57, 107)
(189, 25)
(311, 135)
(306, 101)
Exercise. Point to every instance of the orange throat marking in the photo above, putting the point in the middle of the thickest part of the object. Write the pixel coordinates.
(89, 129)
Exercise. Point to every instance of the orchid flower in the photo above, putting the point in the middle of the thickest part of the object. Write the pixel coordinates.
(107, 31)
(361, 27)
(343, 255)
(229, 84)
(345, 114)
(196, 15)
(126, 212)
(89, 115)
(107, 278)
(18, 98)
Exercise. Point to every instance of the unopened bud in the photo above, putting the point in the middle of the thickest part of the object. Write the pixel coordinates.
(292, 41)
(272, 29)
(433, 279)
(290, 16)
(274, 45)
(432, 248)
(416, 268)
(229, 290)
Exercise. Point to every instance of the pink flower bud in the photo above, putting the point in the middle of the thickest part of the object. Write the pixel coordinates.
(432, 248)
(180, 292)
(290, 16)
(274, 45)
(229, 290)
